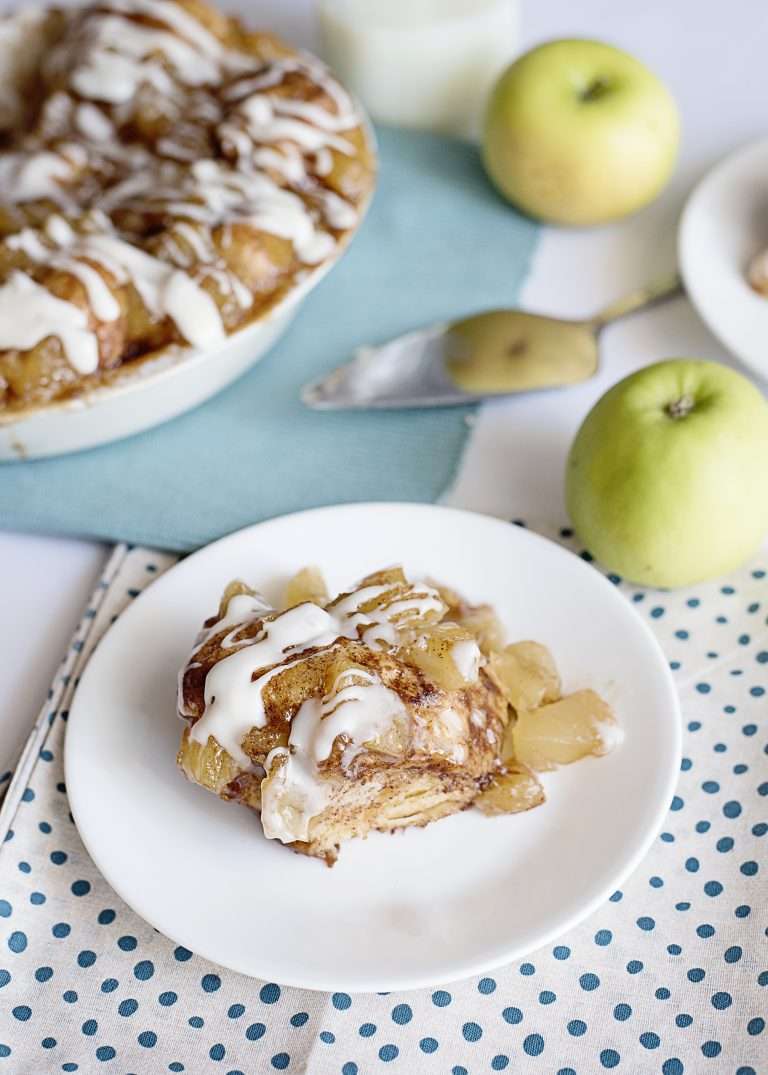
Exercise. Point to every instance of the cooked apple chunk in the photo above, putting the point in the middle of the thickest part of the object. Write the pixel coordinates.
(480, 620)
(511, 790)
(306, 585)
(527, 674)
(484, 624)
(207, 763)
(446, 653)
(564, 731)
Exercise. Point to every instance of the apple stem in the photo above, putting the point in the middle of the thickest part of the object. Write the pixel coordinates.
(680, 407)
(596, 89)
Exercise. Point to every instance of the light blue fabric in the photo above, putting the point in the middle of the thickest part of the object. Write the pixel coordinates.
(437, 242)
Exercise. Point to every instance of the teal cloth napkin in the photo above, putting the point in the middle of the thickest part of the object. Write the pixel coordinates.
(437, 242)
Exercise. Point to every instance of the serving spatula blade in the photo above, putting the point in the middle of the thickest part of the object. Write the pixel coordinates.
(490, 354)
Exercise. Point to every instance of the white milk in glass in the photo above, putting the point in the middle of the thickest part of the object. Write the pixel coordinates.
(421, 63)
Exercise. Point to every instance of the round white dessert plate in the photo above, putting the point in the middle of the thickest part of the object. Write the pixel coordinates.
(397, 911)
(724, 224)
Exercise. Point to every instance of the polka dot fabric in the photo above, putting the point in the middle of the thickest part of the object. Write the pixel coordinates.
(670, 976)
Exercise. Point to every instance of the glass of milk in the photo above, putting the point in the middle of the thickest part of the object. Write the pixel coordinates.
(421, 63)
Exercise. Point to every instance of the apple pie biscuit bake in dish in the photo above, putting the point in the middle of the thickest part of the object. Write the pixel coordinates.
(390, 706)
(165, 177)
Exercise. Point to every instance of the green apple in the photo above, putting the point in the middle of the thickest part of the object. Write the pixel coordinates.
(667, 479)
(579, 132)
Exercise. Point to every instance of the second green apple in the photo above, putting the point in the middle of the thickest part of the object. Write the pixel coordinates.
(666, 482)
(579, 132)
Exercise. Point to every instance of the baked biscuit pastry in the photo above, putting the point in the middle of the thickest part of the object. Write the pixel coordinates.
(166, 176)
(387, 707)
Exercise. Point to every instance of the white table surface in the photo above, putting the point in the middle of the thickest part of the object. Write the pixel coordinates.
(713, 58)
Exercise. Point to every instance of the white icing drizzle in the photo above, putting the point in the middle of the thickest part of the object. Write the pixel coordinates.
(229, 284)
(170, 148)
(92, 123)
(184, 24)
(121, 193)
(314, 114)
(58, 230)
(265, 122)
(136, 41)
(56, 114)
(164, 289)
(323, 161)
(242, 295)
(118, 48)
(291, 794)
(193, 311)
(611, 734)
(421, 600)
(350, 604)
(233, 688)
(477, 718)
(379, 633)
(118, 52)
(415, 607)
(29, 243)
(343, 119)
(25, 177)
(242, 609)
(271, 76)
(360, 711)
(260, 202)
(233, 698)
(101, 300)
(358, 707)
(29, 314)
(174, 252)
(212, 192)
(113, 78)
(466, 656)
(234, 139)
(201, 244)
(287, 160)
(338, 213)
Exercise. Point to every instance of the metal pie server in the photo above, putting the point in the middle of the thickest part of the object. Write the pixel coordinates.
(497, 353)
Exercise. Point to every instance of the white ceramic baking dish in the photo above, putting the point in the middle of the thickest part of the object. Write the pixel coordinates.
(155, 388)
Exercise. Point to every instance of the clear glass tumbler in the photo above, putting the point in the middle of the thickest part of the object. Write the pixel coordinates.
(421, 63)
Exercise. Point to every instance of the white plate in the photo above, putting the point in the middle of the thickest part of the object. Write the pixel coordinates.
(724, 224)
(397, 911)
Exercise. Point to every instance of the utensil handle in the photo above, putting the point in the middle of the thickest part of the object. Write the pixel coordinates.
(665, 287)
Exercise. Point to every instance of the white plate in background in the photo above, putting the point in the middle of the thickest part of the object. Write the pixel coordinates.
(724, 224)
(397, 911)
